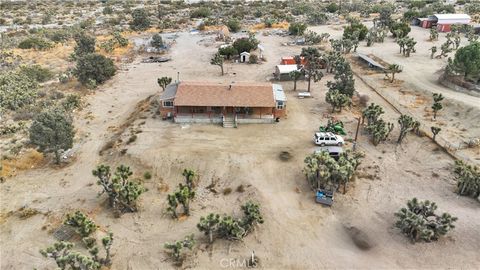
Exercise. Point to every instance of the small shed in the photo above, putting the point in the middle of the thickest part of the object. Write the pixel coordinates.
(244, 57)
(282, 72)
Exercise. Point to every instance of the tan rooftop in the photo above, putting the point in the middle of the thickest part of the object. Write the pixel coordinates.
(236, 94)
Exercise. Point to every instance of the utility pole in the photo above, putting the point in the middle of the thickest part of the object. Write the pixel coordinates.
(356, 134)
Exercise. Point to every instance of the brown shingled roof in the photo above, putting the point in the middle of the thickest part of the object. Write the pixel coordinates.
(218, 94)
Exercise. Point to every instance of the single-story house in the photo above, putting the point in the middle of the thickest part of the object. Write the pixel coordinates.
(443, 22)
(282, 72)
(209, 102)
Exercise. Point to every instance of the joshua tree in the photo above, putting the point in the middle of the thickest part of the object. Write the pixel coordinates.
(410, 46)
(372, 113)
(393, 69)
(231, 229)
(457, 40)
(65, 258)
(321, 169)
(337, 99)
(217, 60)
(295, 75)
(435, 131)
(252, 216)
(445, 49)
(172, 205)
(81, 222)
(379, 131)
(175, 249)
(406, 124)
(433, 50)
(433, 34)
(437, 98)
(164, 81)
(184, 195)
(419, 222)
(107, 242)
(209, 225)
(313, 64)
(122, 192)
(191, 178)
(344, 81)
(468, 179)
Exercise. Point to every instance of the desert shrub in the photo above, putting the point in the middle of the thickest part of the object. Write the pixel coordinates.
(400, 28)
(140, 21)
(245, 44)
(94, 69)
(36, 43)
(227, 191)
(16, 90)
(71, 102)
(157, 41)
(253, 59)
(52, 131)
(227, 51)
(85, 44)
(297, 28)
(233, 25)
(147, 175)
(132, 139)
(202, 12)
(37, 73)
(467, 62)
(332, 7)
(359, 27)
(59, 36)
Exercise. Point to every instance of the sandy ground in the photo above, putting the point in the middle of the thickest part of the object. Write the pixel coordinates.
(297, 233)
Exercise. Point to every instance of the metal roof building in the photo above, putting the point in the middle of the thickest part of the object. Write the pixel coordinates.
(450, 18)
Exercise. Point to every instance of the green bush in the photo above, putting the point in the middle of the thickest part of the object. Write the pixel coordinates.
(233, 25)
(36, 43)
(202, 12)
(140, 21)
(147, 175)
(353, 27)
(93, 69)
(37, 73)
(297, 28)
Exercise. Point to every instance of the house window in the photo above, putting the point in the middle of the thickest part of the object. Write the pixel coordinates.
(280, 105)
(168, 104)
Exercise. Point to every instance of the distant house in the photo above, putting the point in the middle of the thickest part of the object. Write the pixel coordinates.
(443, 22)
(236, 103)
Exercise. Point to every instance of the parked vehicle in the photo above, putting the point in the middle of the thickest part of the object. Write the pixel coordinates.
(324, 196)
(334, 151)
(327, 138)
